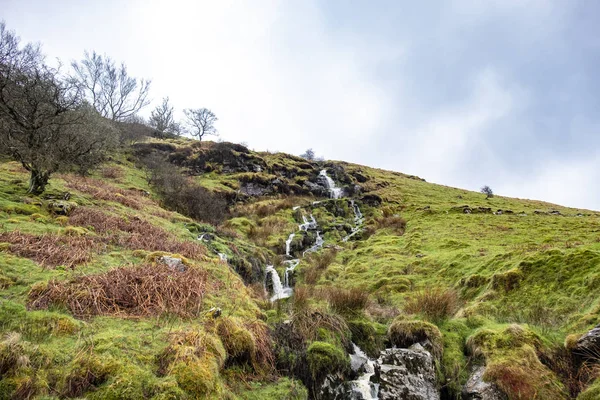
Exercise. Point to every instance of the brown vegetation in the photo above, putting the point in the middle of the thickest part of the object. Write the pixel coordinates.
(104, 191)
(134, 291)
(51, 250)
(435, 303)
(111, 172)
(142, 235)
(346, 301)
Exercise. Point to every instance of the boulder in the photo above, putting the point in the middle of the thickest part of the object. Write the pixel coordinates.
(477, 389)
(588, 346)
(174, 263)
(61, 207)
(372, 200)
(406, 374)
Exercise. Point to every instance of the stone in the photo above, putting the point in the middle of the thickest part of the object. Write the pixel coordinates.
(406, 374)
(477, 389)
(588, 345)
(174, 263)
(61, 207)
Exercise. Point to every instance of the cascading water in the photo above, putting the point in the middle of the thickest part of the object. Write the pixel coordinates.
(279, 292)
(358, 220)
(334, 191)
(363, 385)
(318, 244)
(222, 256)
(306, 224)
(288, 243)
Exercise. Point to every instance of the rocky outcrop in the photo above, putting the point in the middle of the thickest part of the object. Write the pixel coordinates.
(61, 207)
(588, 345)
(477, 389)
(174, 263)
(406, 374)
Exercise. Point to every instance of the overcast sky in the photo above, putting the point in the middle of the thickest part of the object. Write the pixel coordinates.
(464, 93)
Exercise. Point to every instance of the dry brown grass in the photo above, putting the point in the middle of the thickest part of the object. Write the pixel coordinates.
(111, 172)
(104, 191)
(346, 301)
(128, 291)
(52, 250)
(139, 234)
(435, 303)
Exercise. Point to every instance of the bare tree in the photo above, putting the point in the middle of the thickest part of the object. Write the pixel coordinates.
(308, 154)
(200, 122)
(487, 191)
(162, 118)
(41, 114)
(109, 88)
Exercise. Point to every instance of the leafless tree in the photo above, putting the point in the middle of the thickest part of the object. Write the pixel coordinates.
(308, 154)
(487, 191)
(109, 88)
(200, 122)
(162, 118)
(42, 116)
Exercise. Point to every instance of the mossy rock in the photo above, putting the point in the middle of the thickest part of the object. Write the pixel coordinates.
(508, 280)
(238, 341)
(403, 333)
(75, 231)
(326, 358)
(21, 209)
(61, 207)
(199, 379)
(592, 392)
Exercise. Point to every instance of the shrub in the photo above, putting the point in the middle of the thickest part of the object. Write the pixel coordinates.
(181, 194)
(137, 290)
(112, 172)
(436, 304)
(404, 334)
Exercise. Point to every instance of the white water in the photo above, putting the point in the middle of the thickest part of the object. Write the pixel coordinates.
(291, 266)
(222, 256)
(334, 191)
(318, 244)
(363, 384)
(201, 237)
(358, 220)
(306, 225)
(288, 243)
(295, 208)
(279, 292)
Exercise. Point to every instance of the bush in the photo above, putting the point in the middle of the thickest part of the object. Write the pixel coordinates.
(181, 194)
(111, 172)
(436, 304)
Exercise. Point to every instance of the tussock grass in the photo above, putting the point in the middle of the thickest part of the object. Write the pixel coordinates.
(436, 304)
(100, 190)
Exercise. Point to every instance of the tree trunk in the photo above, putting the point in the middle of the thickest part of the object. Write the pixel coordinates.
(38, 182)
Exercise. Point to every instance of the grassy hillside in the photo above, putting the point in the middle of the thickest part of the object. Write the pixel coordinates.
(87, 309)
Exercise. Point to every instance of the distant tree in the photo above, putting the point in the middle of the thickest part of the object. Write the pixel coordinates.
(308, 154)
(109, 88)
(44, 124)
(162, 119)
(200, 122)
(487, 191)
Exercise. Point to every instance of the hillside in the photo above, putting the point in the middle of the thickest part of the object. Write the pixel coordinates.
(107, 292)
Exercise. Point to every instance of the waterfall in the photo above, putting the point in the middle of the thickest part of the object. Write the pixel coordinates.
(306, 224)
(318, 244)
(288, 243)
(291, 266)
(201, 237)
(334, 191)
(363, 384)
(279, 292)
(222, 256)
(358, 220)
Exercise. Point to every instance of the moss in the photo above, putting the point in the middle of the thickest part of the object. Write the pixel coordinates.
(75, 231)
(369, 336)
(153, 257)
(283, 388)
(62, 220)
(22, 209)
(402, 333)
(511, 357)
(325, 358)
(199, 379)
(508, 280)
(37, 217)
(238, 342)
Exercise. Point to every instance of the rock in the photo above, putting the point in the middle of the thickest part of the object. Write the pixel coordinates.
(406, 374)
(316, 189)
(359, 177)
(174, 263)
(588, 346)
(477, 389)
(61, 207)
(372, 200)
(255, 189)
(554, 212)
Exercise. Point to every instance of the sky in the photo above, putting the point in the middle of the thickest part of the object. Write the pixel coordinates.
(463, 93)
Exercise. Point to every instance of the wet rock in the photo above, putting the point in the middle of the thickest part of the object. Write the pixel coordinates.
(477, 389)
(255, 189)
(359, 177)
(174, 263)
(372, 200)
(61, 207)
(406, 374)
(588, 346)
(316, 189)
